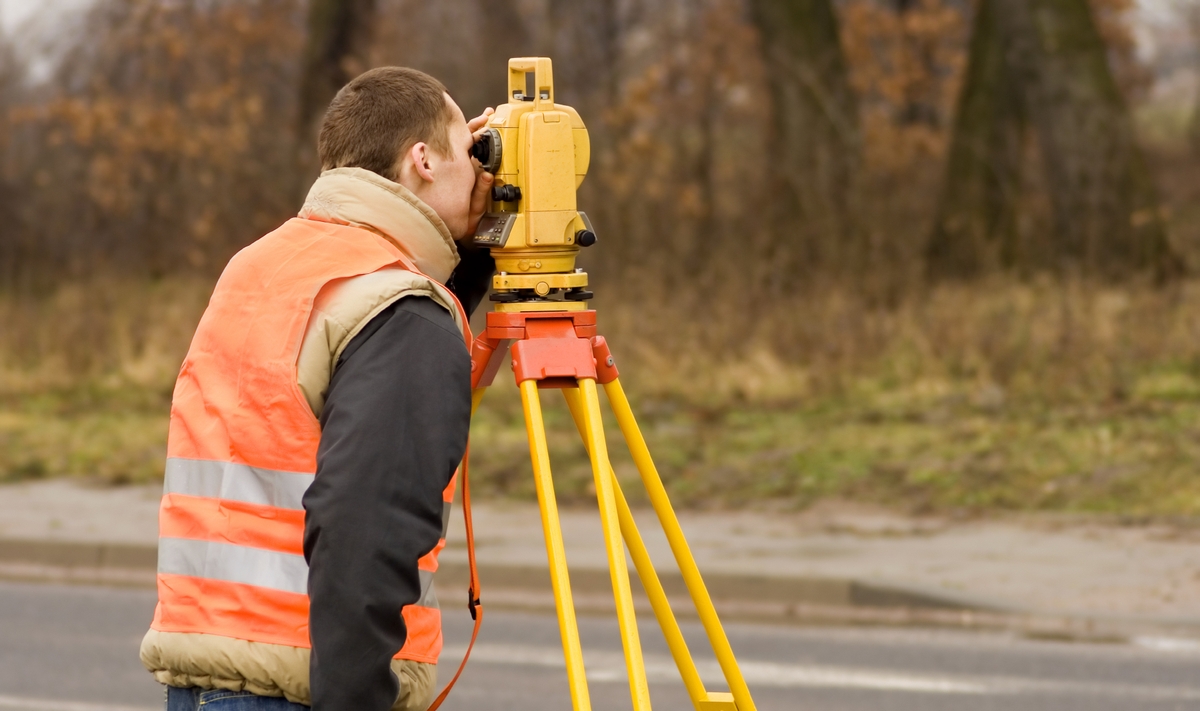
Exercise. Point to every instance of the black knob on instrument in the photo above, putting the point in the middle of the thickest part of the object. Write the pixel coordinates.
(506, 193)
(585, 238)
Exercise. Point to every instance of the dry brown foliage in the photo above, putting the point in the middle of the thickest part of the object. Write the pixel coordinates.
(908, 67)
(161, 145)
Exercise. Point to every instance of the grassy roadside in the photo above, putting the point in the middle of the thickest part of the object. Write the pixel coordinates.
(109, 435)
(925, 448)
(928, 447)
(1010, 397)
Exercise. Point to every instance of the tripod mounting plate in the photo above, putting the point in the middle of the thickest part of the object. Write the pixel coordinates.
(565, 348)
(537, 282)
(539, 306)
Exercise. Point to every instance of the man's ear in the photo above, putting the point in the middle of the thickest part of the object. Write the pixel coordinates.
(419, 155)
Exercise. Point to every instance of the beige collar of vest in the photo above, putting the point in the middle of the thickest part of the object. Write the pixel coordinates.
(358, 197)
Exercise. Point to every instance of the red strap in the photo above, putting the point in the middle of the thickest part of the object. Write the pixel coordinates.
(473, 603)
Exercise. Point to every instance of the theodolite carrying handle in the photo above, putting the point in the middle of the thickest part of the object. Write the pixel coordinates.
(543, 81)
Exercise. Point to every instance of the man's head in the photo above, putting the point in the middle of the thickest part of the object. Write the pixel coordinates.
(401, 124)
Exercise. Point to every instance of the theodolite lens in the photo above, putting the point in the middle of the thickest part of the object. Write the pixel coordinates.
(487, 150)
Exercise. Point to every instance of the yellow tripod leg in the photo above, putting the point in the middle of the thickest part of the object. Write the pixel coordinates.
(649, 577)
(593, 427)
(476, 398)
(555, 552)
(683, 554)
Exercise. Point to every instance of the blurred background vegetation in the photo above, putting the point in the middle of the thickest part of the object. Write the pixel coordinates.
(936, 254)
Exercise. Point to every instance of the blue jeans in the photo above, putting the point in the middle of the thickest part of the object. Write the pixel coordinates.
(195, 699)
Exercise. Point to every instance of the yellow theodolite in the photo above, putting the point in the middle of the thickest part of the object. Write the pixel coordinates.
(539, 152)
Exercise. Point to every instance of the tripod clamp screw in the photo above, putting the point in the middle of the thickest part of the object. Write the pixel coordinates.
(606, 365)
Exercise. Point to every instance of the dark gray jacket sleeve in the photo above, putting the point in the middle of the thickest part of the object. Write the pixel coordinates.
(393, 430)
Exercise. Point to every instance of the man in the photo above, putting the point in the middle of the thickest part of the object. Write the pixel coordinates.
(318, 420)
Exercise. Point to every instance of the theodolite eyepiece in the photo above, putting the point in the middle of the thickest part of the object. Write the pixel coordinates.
(488, 150)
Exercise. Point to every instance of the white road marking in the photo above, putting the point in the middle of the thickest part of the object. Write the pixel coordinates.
(24, 703)
(610, 667)
(1168, 644)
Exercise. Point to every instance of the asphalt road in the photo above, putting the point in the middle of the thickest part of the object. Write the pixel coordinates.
(75, 649)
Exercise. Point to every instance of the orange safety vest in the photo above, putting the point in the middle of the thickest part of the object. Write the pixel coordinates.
(242, 449)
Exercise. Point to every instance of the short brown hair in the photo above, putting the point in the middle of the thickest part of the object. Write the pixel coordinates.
(379, 115)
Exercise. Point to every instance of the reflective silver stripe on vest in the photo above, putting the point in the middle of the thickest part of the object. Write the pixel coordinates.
(234, 564)
(428, 596)
(235, 482)
(446, 505)
(250, 566)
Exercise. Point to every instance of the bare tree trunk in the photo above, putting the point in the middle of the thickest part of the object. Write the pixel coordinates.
(1191, 15)
(816, 130)
(335, 51)
(497, 48)
(584, 45)
(1106, 216)
(975, 231)
(17, 259)
(583, 38)
(1106, 211)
